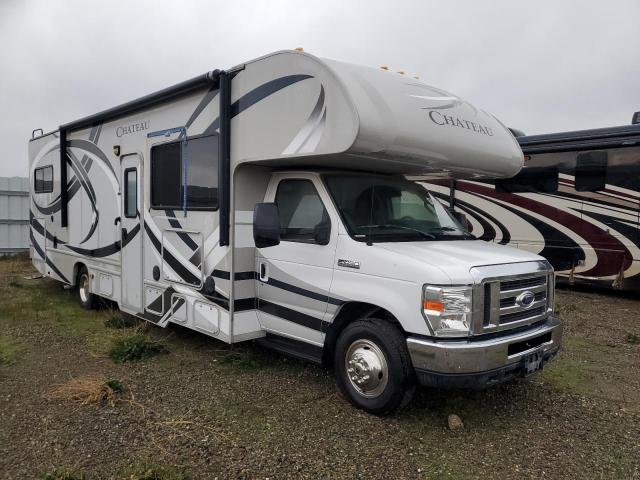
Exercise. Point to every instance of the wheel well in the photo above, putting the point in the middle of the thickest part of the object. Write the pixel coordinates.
(76, 269)
(350, 312)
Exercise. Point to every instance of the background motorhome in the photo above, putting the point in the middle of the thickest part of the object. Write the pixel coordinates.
(576, 202)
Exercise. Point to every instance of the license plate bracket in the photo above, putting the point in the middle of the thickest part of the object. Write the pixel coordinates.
(532, 362)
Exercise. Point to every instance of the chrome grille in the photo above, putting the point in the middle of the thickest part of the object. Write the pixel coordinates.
(496, 305)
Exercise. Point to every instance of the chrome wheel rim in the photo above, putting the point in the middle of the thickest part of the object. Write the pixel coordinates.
(83, 287)
(366, 368)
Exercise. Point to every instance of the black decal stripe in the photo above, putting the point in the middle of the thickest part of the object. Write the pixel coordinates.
(93, 149)
(172, 261)
(185, 237)
(37, 248)
(208, 98)
(290, 315)
(109, 249)
(72, 188)
(35, 224)
(244, 304)
(238, 275)
(82, 176)
(281, 285)
(256, 95)
(305, 293)
(161, 301)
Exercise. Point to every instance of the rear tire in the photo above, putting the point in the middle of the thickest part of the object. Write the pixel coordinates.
(373, 367)
(86, 299)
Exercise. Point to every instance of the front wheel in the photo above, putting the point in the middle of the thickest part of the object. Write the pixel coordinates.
(373, 367)
(85, 297)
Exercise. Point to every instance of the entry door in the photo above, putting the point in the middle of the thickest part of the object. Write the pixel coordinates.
(294, 277)
(130, 233)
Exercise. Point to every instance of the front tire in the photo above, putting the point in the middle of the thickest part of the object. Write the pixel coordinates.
(373, 367)
(83, 288)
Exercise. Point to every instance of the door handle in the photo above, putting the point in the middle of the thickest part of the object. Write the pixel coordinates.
(263, 272)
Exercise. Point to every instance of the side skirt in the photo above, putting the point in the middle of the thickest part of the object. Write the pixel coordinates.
(294, 348)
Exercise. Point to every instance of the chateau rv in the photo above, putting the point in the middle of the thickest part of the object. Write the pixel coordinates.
(271, 202)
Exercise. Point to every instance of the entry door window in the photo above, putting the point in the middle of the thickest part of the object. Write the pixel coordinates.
(131, 193)
(301, 211)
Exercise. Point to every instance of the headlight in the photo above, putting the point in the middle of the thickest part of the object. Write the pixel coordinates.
(448, 310)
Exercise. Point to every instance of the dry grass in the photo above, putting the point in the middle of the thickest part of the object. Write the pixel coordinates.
(89, 391)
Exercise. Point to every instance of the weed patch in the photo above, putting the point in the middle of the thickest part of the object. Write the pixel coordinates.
(633, 339)
(89, 390)
(564, 308)
(158, 473)
(63, 475)
(135, 347)
(8, 351)
(120, 321)
(240, 360)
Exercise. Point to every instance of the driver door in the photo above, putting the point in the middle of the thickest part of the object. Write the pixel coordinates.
(295, 276)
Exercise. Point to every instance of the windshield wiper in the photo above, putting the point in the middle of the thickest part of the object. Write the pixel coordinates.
(401, 227)
(451, 229)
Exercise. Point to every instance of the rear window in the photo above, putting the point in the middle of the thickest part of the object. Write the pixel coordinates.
(43, 179)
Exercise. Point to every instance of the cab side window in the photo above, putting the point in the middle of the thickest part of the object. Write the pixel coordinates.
(303, 217)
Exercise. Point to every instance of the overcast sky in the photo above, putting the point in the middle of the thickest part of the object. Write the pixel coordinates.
(540, 66)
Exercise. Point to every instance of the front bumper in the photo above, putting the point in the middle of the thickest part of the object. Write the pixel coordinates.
(478, 363)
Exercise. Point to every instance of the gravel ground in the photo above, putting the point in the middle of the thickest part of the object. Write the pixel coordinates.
(206, 410)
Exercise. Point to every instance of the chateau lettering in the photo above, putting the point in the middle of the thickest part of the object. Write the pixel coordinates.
(134, 127)
(443, 119)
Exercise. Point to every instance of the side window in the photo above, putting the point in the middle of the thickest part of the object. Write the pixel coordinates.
(43, 179)
(166, 176)
(530, 179)
(202, 173)
(301, 211)
(200, 159)
(130, 192)
(591, 171)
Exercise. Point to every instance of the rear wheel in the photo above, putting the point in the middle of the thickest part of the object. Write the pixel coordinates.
(373, 367)
(83, 284)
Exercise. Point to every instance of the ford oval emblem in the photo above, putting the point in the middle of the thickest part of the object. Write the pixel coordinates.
(525, 299)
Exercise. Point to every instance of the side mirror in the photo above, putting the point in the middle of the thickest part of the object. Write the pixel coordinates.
(322, 231)
(461, 218)
(266, 225)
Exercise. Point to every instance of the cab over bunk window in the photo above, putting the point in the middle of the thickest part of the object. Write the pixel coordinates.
(199, 157)
(591, 171)
(43, 179)
(530, 179)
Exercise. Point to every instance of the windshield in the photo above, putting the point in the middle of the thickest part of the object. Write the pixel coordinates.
(391, 209)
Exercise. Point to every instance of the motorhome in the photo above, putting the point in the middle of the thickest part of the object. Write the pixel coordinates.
(576, 202)
(271, 202)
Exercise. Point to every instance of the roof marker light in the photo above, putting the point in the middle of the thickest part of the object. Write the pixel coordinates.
(384, 67)
(299, 49)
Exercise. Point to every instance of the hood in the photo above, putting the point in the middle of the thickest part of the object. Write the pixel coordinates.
(457, 257)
